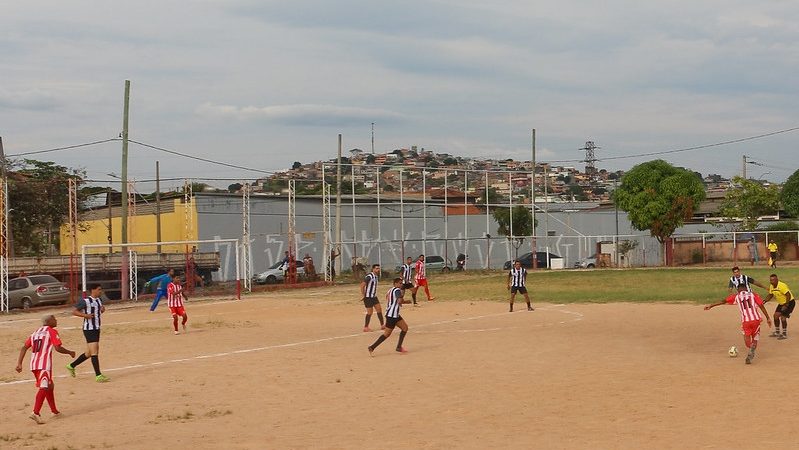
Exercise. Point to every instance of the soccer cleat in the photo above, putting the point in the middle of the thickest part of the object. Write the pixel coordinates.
(101, 378)
(783, 336)
(530, 308)
(748, 359)
(401, 350)
(57, 415)
(36, 418)
(371, 351)
(774, 334)
(177, 332)
(366, 329)
(431, 299)
(71, 370)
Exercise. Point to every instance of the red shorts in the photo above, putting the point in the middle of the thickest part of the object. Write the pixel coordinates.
(751, 328)
(177, 310)
(43, 378)
(422, 282)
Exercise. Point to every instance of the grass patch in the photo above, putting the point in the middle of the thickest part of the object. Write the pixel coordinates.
(698, 285)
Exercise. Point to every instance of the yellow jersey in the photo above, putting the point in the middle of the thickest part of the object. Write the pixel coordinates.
(772, 248)
(780, 293)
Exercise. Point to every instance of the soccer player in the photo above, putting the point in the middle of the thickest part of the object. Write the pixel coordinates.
(407, 278)
(421, 280)
(772, 251)
(737, 278)
(161, 281)
(175, 297)
(90, 309)
(748, 303)
(517, 278)
(42, 342)
(369, 294)
(394, 300)
(786, 302)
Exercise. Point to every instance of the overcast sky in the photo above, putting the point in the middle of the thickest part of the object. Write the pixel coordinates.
(265, 83)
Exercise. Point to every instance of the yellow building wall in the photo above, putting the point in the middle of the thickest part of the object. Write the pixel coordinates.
(141, 228)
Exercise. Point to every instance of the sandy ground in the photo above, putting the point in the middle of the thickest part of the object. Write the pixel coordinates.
(291, 370)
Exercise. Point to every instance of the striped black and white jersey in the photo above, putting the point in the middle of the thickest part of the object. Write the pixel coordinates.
(393, 302)
(407, 273)
(90, 305)
(518, 276)
(371, 285)
(735, 281)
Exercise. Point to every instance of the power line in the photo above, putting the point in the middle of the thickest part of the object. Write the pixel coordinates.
(210, 161)
(69, 147)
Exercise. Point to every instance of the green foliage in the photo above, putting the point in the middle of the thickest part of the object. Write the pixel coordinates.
(296, 165)
(659, 197)
(38, 195)
(748, 200)
(493, 197)
(522, 221)
(790, 195)
(235, 187)
(783, 239)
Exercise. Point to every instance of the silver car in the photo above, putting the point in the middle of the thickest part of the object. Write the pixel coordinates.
(34, 290)
(277, 273)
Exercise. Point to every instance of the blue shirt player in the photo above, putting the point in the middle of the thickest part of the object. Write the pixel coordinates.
(161, 282)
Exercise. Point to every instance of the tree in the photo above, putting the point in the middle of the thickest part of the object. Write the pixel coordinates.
(659, 197)
(296, 165)
(235, 187)
(493, 197)
(748, 200)
(790, 195)
(39, 200)
(522, 223)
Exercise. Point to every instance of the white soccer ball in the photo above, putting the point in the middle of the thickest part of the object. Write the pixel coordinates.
(733, 352)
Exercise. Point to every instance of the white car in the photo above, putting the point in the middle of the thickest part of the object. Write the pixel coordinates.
(276, 273)
(586, 263)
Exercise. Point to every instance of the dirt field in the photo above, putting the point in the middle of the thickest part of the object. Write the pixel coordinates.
(291, 370)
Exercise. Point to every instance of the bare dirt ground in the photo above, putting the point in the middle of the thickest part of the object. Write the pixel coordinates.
(291, 370)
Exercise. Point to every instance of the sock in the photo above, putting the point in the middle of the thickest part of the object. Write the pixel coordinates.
(427, 292)
(401, 338)
(378, 341)
(41, 394)
(175, 322)
(511, 307)
(366, 320)
(413, 294)
(79, 360)
(51, 399)
(96, 364)
(185, 319)
(380, 318)
(784, 325)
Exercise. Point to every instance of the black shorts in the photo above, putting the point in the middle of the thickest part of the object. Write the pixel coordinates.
(391, 322)
(91, 335)
(369, 302)
(786, 309)
(520, 289)
(407, 285)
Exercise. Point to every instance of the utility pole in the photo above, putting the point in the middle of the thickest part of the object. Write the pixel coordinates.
(534, 244)
(373, 138)
(158, 206)
(124, 284)
(744, 168)
(4, 179)
(338, 204)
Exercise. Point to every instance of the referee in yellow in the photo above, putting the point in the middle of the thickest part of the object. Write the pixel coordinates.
(786, 302)
(772, 252)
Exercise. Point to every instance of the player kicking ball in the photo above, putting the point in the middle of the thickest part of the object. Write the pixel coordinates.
(394, 300)
(175, 297)
(750, 305)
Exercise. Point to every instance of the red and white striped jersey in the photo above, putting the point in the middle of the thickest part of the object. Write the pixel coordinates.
(41, 343)
(748, 305)
(420, 275)
(174, 295)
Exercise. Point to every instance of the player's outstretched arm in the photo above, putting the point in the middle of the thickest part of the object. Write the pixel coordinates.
(61, 349)
(715, 304)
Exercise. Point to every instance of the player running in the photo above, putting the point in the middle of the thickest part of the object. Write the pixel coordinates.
(394, 300)
(370, 301)
(421, 280)
(780, 291)
(407, 277)
(161, 282)
(90, 309)
(175, 297)
(42, 342)
(517, 278)
(748, 303)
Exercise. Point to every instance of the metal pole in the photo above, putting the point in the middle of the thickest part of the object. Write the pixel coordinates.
(532, 203)
(616, 185)
(158, 207)
(110, 229)
(465, 214)
(3, 172)
(354, 228)
(124, 269)
(446, 210)
(379, 229)
(488, 240)
(424, 212)
(338, 205)
(373, 138)
(402, 217)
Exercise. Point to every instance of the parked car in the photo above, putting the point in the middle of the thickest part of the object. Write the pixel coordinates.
(527, 260)
(586, 263)
(276, 273)
(26, 292)
(431, 263)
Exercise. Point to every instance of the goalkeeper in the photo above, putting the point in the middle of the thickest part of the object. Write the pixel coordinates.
(161, 282)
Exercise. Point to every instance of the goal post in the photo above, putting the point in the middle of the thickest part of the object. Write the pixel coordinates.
(131, 246)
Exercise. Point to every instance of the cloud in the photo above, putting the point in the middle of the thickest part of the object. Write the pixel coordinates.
(302, 114)
(32, 100)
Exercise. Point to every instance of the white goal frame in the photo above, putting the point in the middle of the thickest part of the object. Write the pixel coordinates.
(127, 246)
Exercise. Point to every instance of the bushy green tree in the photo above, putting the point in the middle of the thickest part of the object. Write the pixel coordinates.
(659, 197)
(790, 195)
(748, 200)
